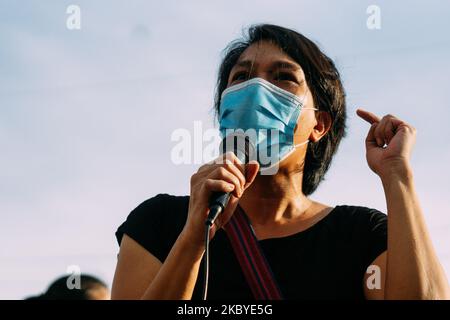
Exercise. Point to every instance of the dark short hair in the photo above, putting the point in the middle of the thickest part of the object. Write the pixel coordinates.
(58, 289)
(322, 78)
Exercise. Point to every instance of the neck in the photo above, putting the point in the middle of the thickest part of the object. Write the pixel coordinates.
(274, 200)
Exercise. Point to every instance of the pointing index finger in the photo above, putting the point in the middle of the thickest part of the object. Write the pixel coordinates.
(368, 116)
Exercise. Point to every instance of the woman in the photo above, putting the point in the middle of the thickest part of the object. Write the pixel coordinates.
(314, 251)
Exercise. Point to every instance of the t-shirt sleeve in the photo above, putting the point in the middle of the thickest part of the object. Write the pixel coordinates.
(149, 225)
(376, 236)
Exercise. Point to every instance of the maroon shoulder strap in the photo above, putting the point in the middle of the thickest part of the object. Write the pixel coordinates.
(251, 258)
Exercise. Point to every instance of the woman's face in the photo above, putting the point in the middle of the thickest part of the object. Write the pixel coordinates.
(266, 60)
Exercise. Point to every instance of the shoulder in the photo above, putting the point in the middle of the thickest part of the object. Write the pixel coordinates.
(160, 209)
(362, 228)
(162, 202)
(156, 222)
(357, 216)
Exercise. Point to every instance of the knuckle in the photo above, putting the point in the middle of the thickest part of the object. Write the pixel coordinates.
(227, 165)
(207, 183)
(377, 132)
(230, 155)
(194, 179)
(221, 159)
(222, 171)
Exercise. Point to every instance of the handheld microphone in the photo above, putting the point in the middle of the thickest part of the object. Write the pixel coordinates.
(244, 150)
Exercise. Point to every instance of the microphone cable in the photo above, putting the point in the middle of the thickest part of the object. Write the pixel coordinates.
(244, 150)
(208, 226)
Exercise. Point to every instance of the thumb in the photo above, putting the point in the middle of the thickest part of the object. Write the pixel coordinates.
(251, 171)
(370, 139)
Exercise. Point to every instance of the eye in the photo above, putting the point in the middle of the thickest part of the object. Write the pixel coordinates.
(286, 76)
(239, 76)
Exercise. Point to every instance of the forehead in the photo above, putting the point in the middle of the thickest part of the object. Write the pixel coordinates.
(263, 52)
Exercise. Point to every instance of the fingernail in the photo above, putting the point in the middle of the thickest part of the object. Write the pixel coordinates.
(379, 142)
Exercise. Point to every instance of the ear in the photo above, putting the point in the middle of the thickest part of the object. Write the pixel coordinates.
(323, 124)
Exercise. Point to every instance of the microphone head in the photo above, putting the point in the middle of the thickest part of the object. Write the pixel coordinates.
(240, 144)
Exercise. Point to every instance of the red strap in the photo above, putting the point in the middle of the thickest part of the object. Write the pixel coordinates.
(251, 257)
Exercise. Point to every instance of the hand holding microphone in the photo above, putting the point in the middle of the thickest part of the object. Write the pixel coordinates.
(216, 188)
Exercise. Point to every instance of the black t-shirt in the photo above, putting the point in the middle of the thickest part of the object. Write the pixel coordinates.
(326, 261)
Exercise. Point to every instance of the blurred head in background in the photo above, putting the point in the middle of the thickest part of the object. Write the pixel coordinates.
(91, 288)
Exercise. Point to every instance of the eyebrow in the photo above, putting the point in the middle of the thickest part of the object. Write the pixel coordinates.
(279, 64)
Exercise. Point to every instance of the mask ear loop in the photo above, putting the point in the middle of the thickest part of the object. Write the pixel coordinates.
(303, 101)
(304, 98)
(301, 143)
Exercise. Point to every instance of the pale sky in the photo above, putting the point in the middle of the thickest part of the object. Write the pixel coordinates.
(86, 116)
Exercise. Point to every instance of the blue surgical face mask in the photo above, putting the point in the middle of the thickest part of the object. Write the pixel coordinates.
(267, 114)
